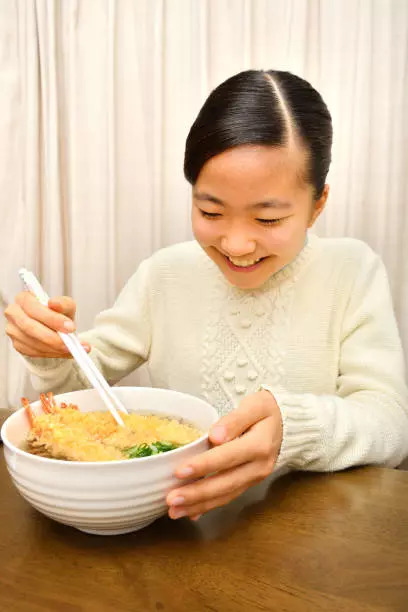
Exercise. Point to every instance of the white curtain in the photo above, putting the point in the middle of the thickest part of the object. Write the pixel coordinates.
(96, 99)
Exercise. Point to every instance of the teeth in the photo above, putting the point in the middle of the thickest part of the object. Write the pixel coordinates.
(243, 263)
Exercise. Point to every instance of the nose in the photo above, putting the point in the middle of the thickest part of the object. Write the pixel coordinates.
(237, 243)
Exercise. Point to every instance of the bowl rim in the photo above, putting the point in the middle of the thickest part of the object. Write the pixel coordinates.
(19, 451)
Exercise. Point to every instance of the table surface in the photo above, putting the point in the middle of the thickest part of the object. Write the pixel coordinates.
(302, 542)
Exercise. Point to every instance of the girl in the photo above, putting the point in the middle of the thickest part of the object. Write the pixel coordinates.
(291, 337)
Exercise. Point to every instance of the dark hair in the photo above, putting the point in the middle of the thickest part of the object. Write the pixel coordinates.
(262, 107)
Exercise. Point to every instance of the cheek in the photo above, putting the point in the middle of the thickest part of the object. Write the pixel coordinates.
(203, 230)
(279, 238)
(288, 237)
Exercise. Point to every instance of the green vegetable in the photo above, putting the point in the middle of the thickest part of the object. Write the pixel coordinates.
(145, 450)
(163, 447)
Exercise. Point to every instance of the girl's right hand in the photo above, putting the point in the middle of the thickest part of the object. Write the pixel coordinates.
(33, 327)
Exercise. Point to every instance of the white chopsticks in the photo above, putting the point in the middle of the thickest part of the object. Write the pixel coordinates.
(78, 352)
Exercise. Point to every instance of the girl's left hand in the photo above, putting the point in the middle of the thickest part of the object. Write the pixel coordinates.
(246, 445)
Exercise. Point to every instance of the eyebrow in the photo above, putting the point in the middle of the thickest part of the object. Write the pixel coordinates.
(272, 203)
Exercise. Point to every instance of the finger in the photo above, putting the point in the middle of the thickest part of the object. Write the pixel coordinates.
(33, 328)
(38, 337)
(219, 485)
(25, 349)
(35, 310)
(32, 351)
(228, 455)
(17, 335)
(86, 346)
(40, 348)
(257, 443)
(64, 305)
(252, 409)
(195, 511)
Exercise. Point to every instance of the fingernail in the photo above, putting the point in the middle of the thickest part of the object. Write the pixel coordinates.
(218, 434)
(177, 501)
(86, 347)
(178, 514)
(196, 517)
(184, 472)
(69, 326)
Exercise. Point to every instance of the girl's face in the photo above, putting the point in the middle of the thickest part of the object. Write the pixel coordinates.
(251, 211)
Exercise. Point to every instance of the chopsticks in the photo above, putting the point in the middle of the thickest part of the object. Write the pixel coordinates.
(78, 352)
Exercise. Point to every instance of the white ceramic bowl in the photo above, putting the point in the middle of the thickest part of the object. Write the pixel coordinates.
(109, 497)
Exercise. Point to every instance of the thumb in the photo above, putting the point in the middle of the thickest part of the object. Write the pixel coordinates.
(64, 305)
(253, 408)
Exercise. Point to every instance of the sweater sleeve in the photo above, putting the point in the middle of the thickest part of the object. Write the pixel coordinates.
(366, 421)
(120, 341)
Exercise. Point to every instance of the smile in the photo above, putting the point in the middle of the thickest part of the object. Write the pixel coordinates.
(243, 265)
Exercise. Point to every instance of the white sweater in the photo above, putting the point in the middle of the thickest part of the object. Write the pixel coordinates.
(321, 334)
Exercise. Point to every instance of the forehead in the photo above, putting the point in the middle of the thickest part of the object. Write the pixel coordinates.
(254, 171)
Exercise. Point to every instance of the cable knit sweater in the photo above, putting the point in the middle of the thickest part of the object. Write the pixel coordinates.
(320, 335)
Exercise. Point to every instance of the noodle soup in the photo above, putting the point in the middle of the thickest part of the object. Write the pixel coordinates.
(106, 497)
(63, 432)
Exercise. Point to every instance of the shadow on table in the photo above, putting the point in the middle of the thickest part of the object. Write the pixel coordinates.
(218, 523)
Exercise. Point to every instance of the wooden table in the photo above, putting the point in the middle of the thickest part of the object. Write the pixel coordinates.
(306, 542)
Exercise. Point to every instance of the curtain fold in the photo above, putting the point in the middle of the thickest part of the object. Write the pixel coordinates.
(96, 101)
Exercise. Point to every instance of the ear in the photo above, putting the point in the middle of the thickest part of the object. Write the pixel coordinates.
(319, 205)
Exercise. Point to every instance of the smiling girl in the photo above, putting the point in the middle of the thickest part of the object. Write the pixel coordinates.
(291, 337)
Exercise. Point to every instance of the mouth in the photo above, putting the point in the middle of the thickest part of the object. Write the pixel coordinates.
(244, 265)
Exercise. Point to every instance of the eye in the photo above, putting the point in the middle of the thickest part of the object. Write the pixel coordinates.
(270, 221)
(209, 215)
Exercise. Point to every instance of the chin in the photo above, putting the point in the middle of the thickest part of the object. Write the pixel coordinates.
(243, 280)
(246, 282)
